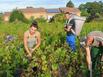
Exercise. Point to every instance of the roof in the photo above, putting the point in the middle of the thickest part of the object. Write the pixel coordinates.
(68, 9)
(6, 14)
(32, 10)
(53, 10)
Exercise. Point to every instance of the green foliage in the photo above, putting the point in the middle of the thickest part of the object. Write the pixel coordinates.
(91, 9)
(31, 19)
(46, 60)
(70, 4)
(1, 17)
(17, 15)
(84, 13)
(41, 19)
(58, 18)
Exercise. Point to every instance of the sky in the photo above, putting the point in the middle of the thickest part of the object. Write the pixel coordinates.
(9, 5)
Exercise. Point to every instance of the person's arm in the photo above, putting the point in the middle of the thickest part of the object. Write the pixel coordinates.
(89, 42)
(25, 44)
(68, 28)
(38, 41)
(88, 57)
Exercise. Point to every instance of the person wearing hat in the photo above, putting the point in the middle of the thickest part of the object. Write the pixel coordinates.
(93, 47)
(32, 39)
(70, 30)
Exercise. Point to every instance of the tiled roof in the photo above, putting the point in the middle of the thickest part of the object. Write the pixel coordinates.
(6, 14)
(32, 10)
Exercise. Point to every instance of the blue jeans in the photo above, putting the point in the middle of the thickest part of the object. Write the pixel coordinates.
(70, 39)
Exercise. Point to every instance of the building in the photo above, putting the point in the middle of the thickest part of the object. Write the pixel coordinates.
(6, 16)
(34, 12)
(31, 12)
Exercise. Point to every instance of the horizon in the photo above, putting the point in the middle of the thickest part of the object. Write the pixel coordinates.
(47, 4)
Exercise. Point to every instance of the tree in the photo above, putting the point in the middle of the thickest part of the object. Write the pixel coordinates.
(83, 10)
(17, 15)
(101, 5)
(84, 13)
(1, 17)
(70, 4)
(92, 9)
(82, 7)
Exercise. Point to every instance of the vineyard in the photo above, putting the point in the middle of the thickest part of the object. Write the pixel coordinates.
(52, 59)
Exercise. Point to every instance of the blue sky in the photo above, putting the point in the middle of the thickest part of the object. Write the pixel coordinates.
(8, 5)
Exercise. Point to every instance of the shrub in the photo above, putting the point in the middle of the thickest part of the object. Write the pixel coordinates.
(41, 19)
(1, 17)
(58, 18)
(17, 15)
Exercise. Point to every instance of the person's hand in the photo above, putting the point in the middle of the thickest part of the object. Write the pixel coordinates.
(32, 50)
(29, 55)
